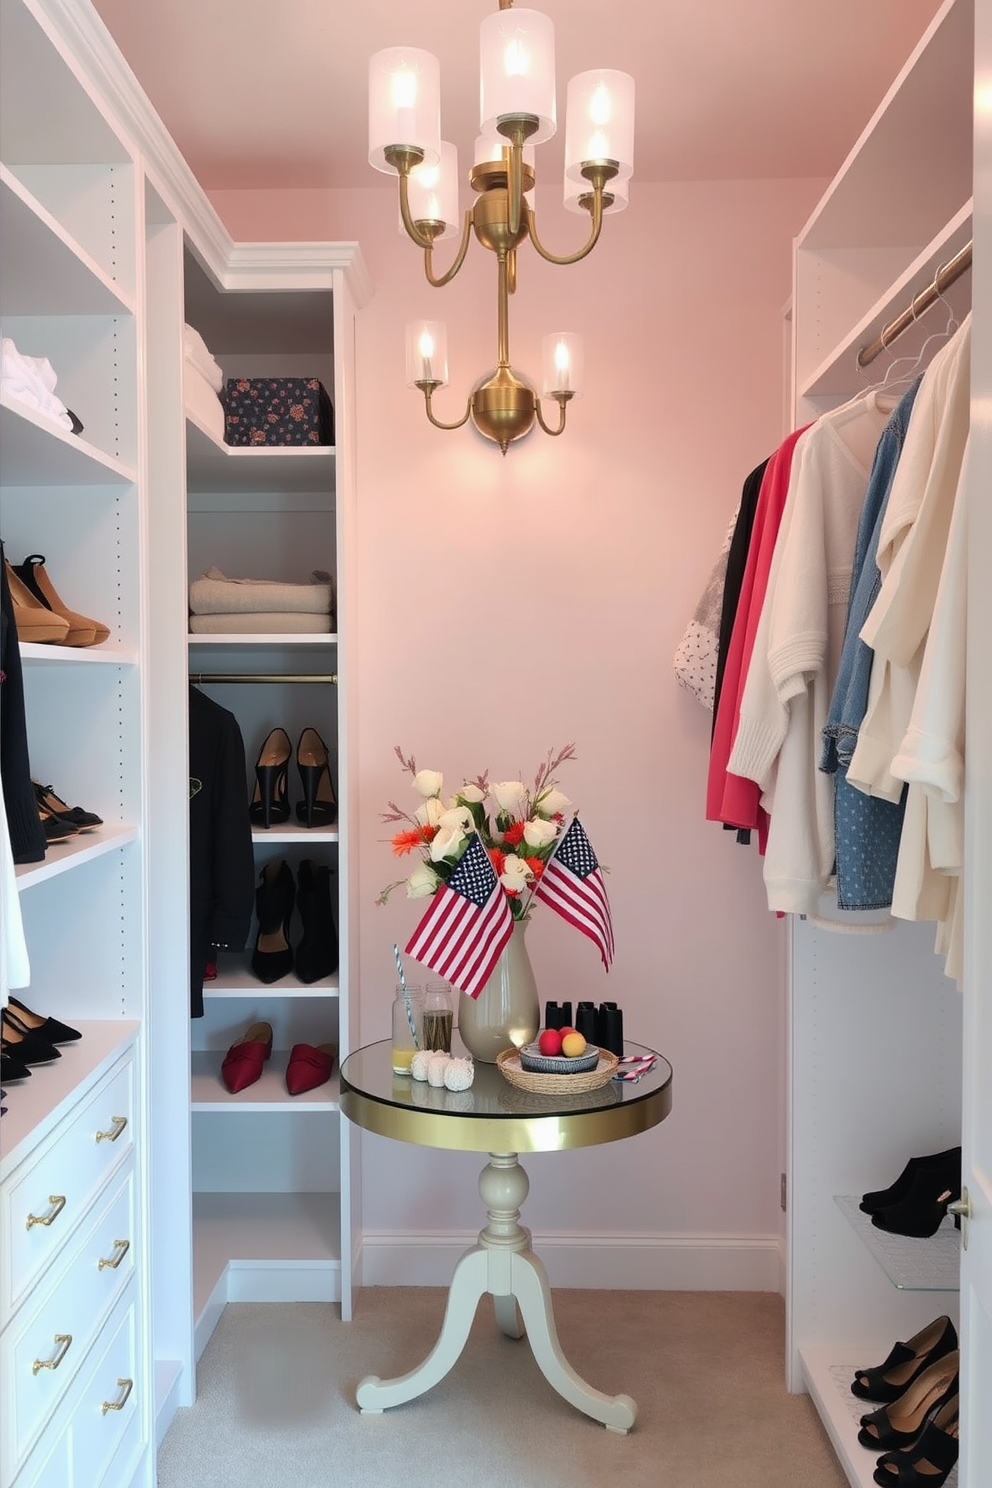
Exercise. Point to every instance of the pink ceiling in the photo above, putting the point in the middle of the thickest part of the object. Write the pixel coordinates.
(273, 92)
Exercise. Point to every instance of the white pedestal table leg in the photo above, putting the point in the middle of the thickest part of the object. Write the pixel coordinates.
(503, 1264)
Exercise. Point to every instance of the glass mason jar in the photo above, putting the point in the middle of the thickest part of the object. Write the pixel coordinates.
(407, 1027)
(437, 1017)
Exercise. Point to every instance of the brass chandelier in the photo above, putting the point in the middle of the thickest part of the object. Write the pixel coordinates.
(517, 112)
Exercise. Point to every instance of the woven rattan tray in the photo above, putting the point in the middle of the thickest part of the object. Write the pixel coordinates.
(508, 1063)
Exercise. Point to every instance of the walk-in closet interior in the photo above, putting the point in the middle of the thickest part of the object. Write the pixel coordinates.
(139, 1196)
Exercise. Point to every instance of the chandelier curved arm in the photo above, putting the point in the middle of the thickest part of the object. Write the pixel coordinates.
(428, 391)
(595, 208)
(440, 281)
(561, 399)
(408, 222)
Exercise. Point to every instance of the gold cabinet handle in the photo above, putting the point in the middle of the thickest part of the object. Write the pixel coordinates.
(124, 1385)
(57, 1202)
(121, 1248)
(118, 1124)
(63, 1340)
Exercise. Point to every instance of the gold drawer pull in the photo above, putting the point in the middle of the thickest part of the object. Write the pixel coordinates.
(126, 1386)
(118, 1123)
(58, 1204)
(121, 1248)
(63, 1340)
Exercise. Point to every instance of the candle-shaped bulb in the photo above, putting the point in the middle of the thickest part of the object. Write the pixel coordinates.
(563, 364)
(426, 352)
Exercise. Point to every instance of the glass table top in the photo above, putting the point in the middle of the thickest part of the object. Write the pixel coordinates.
(493, 1115)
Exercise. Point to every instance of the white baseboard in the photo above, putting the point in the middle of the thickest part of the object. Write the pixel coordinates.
(683, 1263)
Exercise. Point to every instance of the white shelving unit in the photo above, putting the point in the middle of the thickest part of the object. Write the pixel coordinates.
(876, 1027)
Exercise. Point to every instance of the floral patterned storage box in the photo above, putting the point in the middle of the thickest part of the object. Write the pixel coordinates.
(277, 410)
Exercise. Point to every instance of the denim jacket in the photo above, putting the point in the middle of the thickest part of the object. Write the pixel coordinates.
(867, 828)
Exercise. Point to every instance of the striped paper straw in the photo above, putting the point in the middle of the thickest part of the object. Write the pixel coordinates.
(406, 998)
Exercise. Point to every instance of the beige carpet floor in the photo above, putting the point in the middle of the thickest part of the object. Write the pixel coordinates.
(275, 1405)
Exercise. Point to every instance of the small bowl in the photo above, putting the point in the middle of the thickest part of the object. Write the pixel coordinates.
(532, 1059)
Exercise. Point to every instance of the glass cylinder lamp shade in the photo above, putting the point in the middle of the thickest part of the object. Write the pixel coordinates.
(426, 352)
(561, 364)
(517, 71)
(618, 188)
(404, 104)
(433, 192)
(599, 121)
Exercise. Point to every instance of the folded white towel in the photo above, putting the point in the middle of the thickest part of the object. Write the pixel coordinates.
(261, 622)
(196, 353)
(31, 381)
(216, 594)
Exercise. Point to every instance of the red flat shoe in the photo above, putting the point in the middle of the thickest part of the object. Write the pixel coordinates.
(309, 1065)
(243, 1061)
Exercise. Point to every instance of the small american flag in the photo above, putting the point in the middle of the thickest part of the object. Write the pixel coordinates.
(572, 884)
(466, 925)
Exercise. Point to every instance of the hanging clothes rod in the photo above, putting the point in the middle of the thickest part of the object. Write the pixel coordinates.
(945, 276)
(328, 677)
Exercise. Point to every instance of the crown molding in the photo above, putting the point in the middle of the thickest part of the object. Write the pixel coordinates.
(78, 32)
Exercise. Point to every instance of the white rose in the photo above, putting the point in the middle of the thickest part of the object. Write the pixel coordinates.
(539, 833)
(428, 782)
(471, 793)
(515, 873)
(510, 796)
(430, 813)
(422, 882)
(457, 816)
(553, 803)
(446, 843)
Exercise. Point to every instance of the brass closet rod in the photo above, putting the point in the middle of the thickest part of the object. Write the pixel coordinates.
(944, 277)
(328, 677)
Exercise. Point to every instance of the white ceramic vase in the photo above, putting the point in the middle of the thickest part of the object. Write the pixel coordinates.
(506, 1011)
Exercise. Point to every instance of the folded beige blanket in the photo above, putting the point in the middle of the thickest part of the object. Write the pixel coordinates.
(215, 594)
(266, 622)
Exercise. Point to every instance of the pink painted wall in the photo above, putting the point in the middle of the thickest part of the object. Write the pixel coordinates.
(511, 604)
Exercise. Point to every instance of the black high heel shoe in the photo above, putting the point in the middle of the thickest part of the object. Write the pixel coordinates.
(319, 807)
(270, 802)
(73, 816)
(906, 1361)
(901, 1422)
(272, 956)
(885, 1198)
(12, 1068)
(923, 1208)
(49, 1029)
(929, 1460)
(25, 1048)
(317, 952)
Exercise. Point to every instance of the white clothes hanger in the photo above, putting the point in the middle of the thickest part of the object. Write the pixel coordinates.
(891, 379)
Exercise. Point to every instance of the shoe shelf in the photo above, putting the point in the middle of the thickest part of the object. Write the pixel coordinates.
(50, 655)
(73, 852)
(293, 832)
(38, 452)
(910, 1263)
(46, 272)
(214, 467)
(828, 1373)
(33, 1106)
(234, 979)
(267, 1094)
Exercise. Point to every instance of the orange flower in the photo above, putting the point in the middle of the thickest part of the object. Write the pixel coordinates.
(514, 834)
(536, 865)
(497, 858)
(405, 842)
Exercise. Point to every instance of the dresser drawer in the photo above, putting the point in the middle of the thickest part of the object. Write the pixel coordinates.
(106, 1404)
(44, 1200)
(50, 1466)
(46, 1344)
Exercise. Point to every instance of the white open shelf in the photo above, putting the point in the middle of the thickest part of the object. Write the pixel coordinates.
(33, 1104)
(46, 272)
(54, 655)
(911, 1263)
(35, 451)
(234, 979)
(267, 1094)
(828, 1374)
(215, 466)
(65, 857)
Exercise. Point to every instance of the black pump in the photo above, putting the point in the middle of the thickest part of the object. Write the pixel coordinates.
(272, 956)
(270, 802)
(317, 952)
(948, 1161)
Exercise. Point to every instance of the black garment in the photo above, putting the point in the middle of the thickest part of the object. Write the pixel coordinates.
(740, 543)
(27, 837)
(221, 863)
